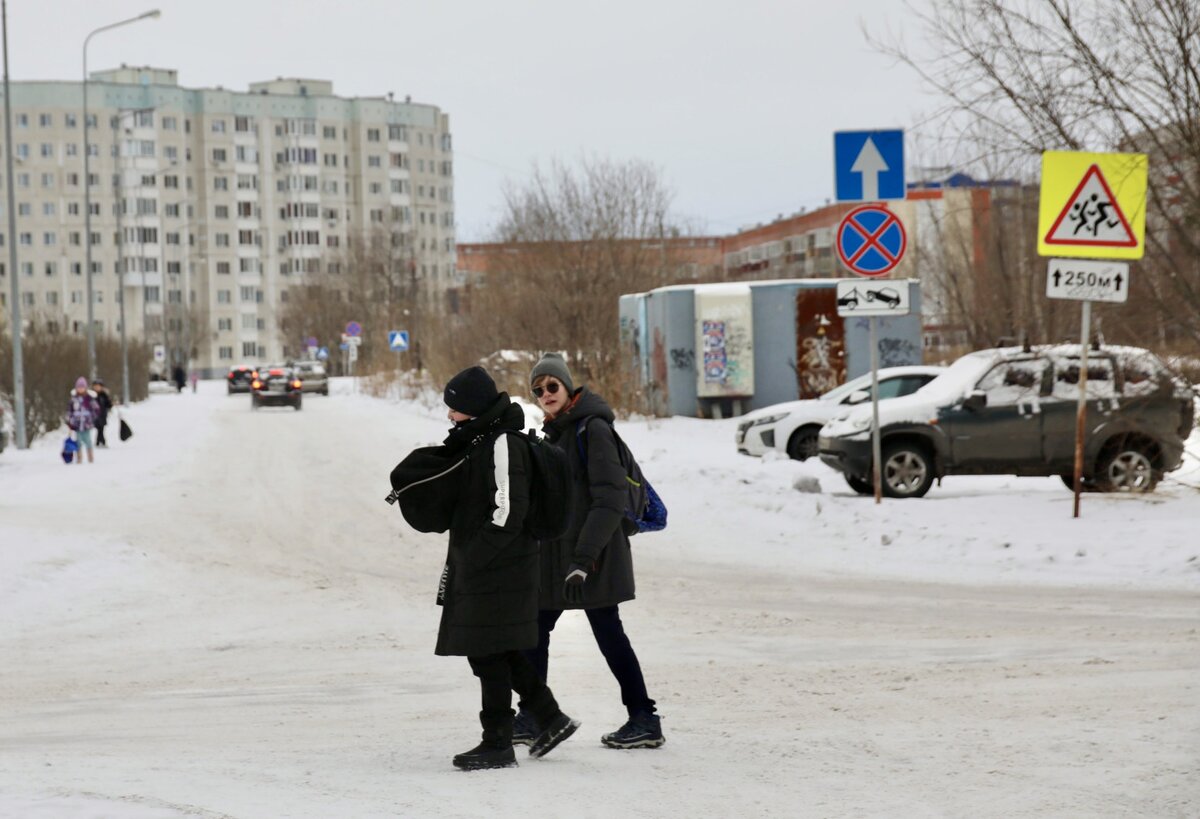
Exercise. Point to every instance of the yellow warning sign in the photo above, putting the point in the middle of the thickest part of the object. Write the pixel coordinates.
(1092, 205)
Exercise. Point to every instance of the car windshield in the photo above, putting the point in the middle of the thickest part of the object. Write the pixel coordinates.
(838, 393)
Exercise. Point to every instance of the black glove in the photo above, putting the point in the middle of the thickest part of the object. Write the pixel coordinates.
(573, 584)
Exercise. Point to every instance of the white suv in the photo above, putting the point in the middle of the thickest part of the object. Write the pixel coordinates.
(792, 427)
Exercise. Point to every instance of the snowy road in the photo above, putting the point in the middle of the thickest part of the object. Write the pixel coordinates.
(222, 618)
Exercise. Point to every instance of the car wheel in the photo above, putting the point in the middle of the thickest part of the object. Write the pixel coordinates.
(1126, 469)
(803, 444)
(860, 486)
(907, 470)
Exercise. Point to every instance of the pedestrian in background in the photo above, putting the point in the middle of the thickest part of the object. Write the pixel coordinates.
(477, 485)
(82, 411)
(105, 403)
(195, 378)
(590, 567)
(179, 378)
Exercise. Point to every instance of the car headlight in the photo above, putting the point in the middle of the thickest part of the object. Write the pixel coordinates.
(768, 419)
(858, 424)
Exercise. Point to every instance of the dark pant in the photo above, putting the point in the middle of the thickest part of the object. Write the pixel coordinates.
(614, 645)
(100, 435)
(501, 674)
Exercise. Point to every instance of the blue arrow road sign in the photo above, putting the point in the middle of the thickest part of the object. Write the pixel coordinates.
(868, 165)
(343, 346)
(323, 353)
(871, 240)
(398, 340)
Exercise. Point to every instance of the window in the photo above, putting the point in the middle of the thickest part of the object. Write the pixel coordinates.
(247, 237)
(23, 180)
(70, 121)
(52, 298)
(222, 268)
(225, 353)
(218, 126)
(174, 268)
(1099, 379)
(22, 120)
(47, 180)
(222, 240)
(247, 182)
(224, 297)
(26, 239)
(375, 187)
(24, 209)
(221, 212)
(47, 150)
(171, 182)
(170, 124)
(397, 132)
(244, 125)
(224, 324)
(249, 265)
(151, 294)
(50, 269)
(170, 152)
(249, 321)
(249, 349)
(245, 210)
(246, 153)
(218, 155)
(372, 135)
(171, 210)
(329, 132)
(220, 183)
(49, 238)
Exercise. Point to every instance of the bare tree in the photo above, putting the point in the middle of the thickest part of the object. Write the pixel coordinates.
(575, 238)
(1020, 77)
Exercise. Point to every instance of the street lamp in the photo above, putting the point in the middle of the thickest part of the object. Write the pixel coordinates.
(87, 187)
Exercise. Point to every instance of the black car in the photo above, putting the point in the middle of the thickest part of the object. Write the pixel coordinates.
(1013, 412)
(275, 387)
(239, 378)
(886, 295)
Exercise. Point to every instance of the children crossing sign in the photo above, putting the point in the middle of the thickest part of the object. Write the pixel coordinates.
(1092, 205)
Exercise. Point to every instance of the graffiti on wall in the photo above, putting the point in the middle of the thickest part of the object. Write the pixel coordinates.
(725, 342)
(820, 343)
(682, 358)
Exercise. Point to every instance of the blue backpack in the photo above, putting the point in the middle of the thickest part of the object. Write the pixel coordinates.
(644, 509)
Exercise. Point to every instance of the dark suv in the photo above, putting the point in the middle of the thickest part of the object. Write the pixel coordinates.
(1012, 412)
(239, 378)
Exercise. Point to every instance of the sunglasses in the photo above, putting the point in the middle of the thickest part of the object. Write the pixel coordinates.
(551, 387)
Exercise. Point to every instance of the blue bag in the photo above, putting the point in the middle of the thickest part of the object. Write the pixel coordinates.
(70, 447)
(644, 509)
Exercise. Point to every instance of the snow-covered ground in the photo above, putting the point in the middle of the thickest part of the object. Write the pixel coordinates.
(222, 617)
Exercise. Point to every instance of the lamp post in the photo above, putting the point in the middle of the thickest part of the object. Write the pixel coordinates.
(14, 287)
(87, 188)
(119, 197)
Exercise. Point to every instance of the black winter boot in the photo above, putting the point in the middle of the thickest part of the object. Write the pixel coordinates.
(525, 729)
(644, 730)
(496, 749)
(484, 756)
(559, 728)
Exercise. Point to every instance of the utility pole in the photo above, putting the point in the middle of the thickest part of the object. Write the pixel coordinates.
(14, 286)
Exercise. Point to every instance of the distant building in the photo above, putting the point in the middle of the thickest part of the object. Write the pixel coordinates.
(228, 199)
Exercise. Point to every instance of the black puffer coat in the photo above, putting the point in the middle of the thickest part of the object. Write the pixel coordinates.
(594, 537)
(488, 589)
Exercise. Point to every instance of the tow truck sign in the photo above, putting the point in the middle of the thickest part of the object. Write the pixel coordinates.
(1084, 280)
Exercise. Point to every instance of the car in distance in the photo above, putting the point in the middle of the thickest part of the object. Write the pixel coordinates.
(239, 378)
(791, 427)
(1012, 411)
(275, 387)
(313, 376)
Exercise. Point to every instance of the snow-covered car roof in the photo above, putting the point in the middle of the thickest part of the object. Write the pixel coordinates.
(840, 391)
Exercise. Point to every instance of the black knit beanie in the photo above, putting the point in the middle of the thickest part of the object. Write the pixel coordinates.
(471, 392)
(552, 364)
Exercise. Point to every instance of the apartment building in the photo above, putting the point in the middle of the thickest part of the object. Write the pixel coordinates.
(219, 202)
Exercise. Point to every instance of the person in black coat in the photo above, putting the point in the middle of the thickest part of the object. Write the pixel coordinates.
(591, 566)
(106, 404)
(477, 485)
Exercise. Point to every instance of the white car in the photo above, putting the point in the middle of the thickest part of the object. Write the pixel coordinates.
(313, 377)
(791, 428)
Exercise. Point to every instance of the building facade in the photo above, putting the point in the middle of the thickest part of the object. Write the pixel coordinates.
(217, 202)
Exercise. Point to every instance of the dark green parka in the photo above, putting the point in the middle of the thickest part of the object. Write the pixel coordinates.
(594, 537)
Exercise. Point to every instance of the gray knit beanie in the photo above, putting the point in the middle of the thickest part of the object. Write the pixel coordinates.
(553, 364)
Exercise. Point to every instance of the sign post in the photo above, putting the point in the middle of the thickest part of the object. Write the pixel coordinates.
(1080, 217)
(868, 166)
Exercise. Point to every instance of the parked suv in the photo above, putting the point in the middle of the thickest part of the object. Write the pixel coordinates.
(792, 427)
(1012, 412)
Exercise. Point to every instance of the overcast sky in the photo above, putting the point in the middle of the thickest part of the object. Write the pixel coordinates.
(735, 101)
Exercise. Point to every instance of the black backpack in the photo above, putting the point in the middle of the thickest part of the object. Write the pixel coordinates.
(549, 488)
(644, 509)
(428, 502)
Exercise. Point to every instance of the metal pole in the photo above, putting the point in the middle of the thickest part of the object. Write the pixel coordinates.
(87, 220)
(118, 191)
(14, 286)
(1081, 410)
(87, 190)
(876, 447)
